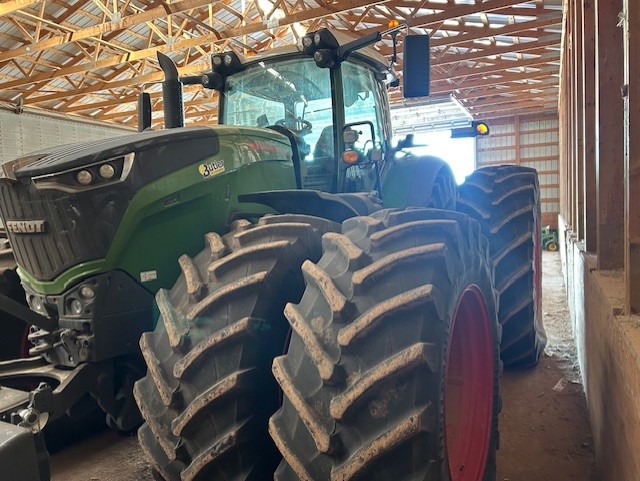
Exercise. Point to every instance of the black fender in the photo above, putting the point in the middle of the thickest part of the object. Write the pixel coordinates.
(419, 181)
(334, 207)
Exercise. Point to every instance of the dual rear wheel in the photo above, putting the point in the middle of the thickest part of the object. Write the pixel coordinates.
(386, 364)
(505, 201)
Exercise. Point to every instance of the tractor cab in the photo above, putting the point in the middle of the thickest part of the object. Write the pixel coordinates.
(328, 95)
(339, 115)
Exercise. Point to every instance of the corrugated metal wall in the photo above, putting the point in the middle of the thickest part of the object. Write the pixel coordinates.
(531, 142)
(28, 132)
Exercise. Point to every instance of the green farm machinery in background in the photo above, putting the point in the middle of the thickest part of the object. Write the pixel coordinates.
(550, 239)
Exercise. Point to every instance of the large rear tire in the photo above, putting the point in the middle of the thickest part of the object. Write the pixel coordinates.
(208, 392)
(505, 200)
(392, 370)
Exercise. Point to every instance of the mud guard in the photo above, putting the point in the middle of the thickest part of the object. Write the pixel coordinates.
(410, 181)
(309, 202)
(23, 455)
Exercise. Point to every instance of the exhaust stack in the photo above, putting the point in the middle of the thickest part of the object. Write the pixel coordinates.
(171, 93)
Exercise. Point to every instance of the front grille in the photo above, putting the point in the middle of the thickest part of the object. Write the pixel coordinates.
(79, 227)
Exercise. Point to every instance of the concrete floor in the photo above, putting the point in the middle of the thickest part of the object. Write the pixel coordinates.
(544, 426)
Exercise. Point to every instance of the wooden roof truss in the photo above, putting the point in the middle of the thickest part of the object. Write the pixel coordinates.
(91, 57)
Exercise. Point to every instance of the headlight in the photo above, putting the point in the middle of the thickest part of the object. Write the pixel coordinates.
(87, 292)
(108, 171)
(36, 304)
(76, 307)
(84, 177)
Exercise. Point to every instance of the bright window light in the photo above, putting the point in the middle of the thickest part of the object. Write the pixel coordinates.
(460, 153)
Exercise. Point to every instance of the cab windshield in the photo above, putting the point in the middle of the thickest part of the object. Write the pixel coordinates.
(293, 93)
(296, 94)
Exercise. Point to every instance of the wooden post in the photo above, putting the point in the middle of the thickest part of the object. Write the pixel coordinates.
(566, 100)
(631, 93)
(579, 120)
(563, 121)
(589, 126)
(516, 123)
(571, 117)
(609, 135)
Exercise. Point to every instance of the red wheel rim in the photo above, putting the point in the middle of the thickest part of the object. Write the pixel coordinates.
(537, 266)
(25, 343)
(469, 388)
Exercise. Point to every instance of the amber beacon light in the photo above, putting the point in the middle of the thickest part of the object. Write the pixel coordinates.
(476, 129)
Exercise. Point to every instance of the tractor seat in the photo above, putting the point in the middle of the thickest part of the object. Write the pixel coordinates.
(318, 173)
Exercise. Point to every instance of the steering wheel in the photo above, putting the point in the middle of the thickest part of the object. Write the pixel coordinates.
(302, 127)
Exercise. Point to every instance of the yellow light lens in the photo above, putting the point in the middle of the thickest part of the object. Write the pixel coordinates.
(393, 23)
(350, 157)
(482, 128)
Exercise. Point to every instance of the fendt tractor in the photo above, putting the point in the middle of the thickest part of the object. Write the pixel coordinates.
(347, 318)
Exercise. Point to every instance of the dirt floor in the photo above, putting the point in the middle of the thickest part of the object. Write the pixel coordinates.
(544, 425)
(544, 428)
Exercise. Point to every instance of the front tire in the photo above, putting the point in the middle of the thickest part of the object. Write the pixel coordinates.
(392, 370)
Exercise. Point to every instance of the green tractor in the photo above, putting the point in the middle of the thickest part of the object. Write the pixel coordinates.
(549, 239)
(342, 320)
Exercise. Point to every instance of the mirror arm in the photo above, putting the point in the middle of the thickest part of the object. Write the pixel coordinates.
(347, 49)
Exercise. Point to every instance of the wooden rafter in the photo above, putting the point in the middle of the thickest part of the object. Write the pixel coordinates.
(12, 6)
(489, 54)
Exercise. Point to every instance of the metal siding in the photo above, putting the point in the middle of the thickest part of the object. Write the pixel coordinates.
(539, 149)
(28, 132)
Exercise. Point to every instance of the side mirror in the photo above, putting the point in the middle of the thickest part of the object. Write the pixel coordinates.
(405, 143)
(359, 142)
(416, 66)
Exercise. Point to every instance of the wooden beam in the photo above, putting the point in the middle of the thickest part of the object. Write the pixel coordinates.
(609, 135)
(186, 43)
(589, 125)
(632, 177)
(12, 6)
(520, 112)
(254, 27)
(149, 78)
(516, 98)
(578, 226)
(211, 103)
(563, 121)
(545, 84)
(479, 33)
(461, 11)
(480, 53)
(572, 117)
(515, 106)
(498, 66)
(471, 82)
(504, 79)
(516, 134)
(101, 29)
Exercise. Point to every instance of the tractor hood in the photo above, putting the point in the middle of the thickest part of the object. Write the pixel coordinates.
(154, 153)
(62, 206)
(58, 159)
